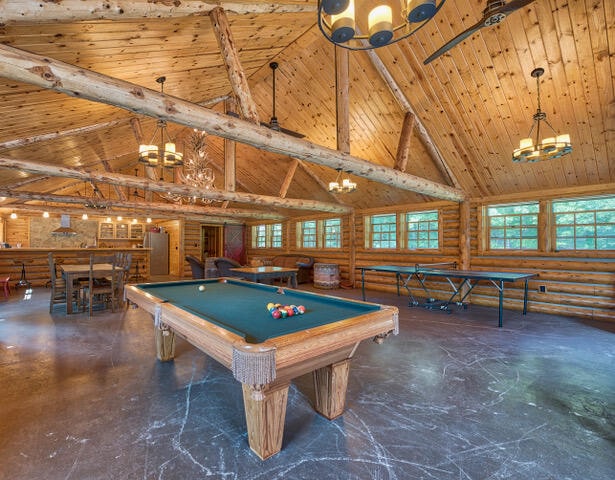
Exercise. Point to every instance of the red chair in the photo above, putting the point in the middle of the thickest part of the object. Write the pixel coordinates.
(4, 282)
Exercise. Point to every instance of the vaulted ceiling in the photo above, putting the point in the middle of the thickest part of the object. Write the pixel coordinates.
(470, 106)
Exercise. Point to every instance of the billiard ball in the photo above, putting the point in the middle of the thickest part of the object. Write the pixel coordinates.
(301, 309)
(202, 288)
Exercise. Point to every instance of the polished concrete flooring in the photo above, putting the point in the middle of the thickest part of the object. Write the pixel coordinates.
(451, 397)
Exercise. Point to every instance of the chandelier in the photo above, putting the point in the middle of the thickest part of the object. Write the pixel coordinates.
(346, 186)
(196, 171)
(531, 150)
(162, 154)
(367, 24)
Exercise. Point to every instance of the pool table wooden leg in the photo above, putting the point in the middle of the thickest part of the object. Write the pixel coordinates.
(330, 384)
(165, 343)
(265, 418)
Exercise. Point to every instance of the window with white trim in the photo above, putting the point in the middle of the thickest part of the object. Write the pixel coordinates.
(422, 230)
(584, 224)
(513, 226)
(332, 232)
(382, 231)
(267, 236)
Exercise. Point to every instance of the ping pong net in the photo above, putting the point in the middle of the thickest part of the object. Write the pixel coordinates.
(426, 267)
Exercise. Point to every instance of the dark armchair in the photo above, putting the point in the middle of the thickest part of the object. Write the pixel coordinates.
(224, 265)
(197, 267)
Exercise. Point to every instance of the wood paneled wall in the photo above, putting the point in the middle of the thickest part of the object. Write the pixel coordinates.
(37, 266)
(575, 284)
(192, 244)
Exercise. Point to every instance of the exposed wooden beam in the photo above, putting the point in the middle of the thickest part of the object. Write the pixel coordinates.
(22, 142)
(407, 107)
(173, 188)
(236, 75)
(342, 96)
(118, 191)
(138, 205)
(59, 76)
(405, 138)
(78, 211)
(65, 11)
(289, 178)
(230, 157)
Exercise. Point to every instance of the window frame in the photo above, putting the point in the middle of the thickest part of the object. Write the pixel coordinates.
(369, 231)
(319, 235)
(595, 225)
(406, 231)
(488, 228)
(268, 236)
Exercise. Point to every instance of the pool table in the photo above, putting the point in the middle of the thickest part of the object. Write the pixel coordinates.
(228, 319)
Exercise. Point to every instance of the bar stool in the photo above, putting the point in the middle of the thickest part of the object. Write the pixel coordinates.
(4, 283)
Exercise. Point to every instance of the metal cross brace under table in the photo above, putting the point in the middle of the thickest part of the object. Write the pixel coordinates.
(469, 279)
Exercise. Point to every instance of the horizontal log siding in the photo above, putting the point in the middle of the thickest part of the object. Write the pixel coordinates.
(37, 266)
(580, 284)
(192, 245)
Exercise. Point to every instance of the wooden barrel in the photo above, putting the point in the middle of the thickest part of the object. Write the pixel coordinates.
(326, 275)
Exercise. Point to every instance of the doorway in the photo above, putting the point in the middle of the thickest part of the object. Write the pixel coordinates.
(211, 241)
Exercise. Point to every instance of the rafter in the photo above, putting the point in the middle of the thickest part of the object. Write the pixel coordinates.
(173, 188)
(134, 205)
(52, 74)
(32, 11)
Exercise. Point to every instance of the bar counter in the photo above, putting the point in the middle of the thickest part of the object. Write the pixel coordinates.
(36, 265)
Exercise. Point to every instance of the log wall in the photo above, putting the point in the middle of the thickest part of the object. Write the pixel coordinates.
(37, 266)
(580, 284)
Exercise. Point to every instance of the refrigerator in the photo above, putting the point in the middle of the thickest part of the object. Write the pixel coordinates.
(159, 254)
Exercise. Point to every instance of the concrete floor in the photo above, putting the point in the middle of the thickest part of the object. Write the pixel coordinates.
(451, 397)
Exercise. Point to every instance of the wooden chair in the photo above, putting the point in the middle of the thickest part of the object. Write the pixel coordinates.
(58, 285)
(4, 283)
(123, 264)
(101, 288)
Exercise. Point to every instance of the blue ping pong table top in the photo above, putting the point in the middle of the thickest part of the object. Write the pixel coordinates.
(451, 272)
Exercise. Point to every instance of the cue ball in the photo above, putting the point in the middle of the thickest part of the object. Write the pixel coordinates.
(202, 288)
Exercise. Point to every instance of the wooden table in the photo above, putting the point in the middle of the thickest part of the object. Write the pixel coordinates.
(266, 274)
(227, 319)
(73, 272)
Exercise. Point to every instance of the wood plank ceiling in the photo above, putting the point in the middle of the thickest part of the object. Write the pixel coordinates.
(474, 103)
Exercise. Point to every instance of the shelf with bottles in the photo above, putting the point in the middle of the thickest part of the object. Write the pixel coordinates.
(121, 231)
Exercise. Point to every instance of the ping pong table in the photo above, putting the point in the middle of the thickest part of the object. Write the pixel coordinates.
(466, 281)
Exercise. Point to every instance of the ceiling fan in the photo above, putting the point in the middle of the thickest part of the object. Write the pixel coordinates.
(496, 11)
(273, 122)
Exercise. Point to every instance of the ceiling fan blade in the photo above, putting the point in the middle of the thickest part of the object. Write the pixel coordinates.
(273, 126)
(490, 17)
(514, 5)
(458, 39)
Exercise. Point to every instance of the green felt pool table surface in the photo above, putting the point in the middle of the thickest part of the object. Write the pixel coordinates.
(241, 307)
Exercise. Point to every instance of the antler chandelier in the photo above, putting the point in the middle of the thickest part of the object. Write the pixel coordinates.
(196, 171)
(547, 148)
(367, 24)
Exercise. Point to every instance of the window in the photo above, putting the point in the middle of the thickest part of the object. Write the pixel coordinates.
(383, 231)
(513, 226)
(333, 233)
(585, 224)
(422, 230)
(308, 234)
(260, 236)
(319, 233)
(276, 235)
(267, 236)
